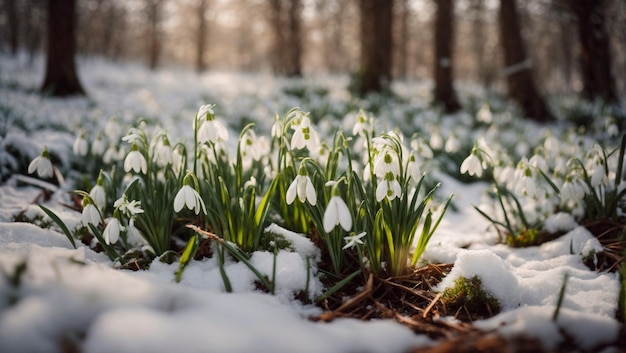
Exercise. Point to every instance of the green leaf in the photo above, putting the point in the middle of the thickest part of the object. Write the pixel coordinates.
(188, 253)
(337, 286)
(60, 223)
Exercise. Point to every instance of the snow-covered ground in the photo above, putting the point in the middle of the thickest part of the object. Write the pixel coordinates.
(76, 297)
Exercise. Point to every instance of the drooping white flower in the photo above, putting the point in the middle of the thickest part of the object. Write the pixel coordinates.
(135, 161)
(436, 141)
(484, 114)
(277, 128)
(386, 162)
(452, 144)
(90, 215)
(98, 195)
(97, 146)
(337, 213)
(163, 152)
(472, 165)
(133, 235)
(205, 110)
(526, 184)
(362, 124)
(42, 165)
(388, 187)
(573, 190)
(113, 129)
(302, 187)
(134, 135)
(420, 146)
(212, 131)
(80, 146)
(129, 208)
(353, 240)
(112, 231)
(305, 135)
(413, 167)
(189, 197)
(598, 176)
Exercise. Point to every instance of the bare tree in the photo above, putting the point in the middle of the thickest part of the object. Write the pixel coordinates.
(444, 89)
(520, 83)
(202, 35)
(153, 11)
(595, 54)
(10, 6)
(286, 21)
(403, 50)
(61, 78)
(376, 45)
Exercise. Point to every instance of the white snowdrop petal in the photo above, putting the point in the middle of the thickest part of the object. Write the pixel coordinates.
(310, 192)
(330, 217)
(291, 191)
(179, 201)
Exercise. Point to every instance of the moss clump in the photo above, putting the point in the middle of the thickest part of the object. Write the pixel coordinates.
(469, 294)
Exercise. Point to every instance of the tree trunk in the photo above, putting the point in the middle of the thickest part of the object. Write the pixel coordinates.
(403, 52)
(153, 12)
(520, 83)
(61, 78)
(376, 46)
(201, 39)
(444, 90)
(286, 19)
(294, 45)
(595, 56)
(13, 24)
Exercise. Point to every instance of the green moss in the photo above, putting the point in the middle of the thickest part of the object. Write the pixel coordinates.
(470, 294)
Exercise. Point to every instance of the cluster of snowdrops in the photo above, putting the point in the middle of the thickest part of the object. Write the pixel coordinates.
(366, 198)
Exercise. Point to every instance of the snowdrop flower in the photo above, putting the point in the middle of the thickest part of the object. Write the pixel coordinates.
(98, 194)
(302, 187)
(420, 146)
(210, 129)
(129, 208)
(189, 197)
(452, 144)
(112, 231)
(252, 147)
(42, 165)
(135, 161)
(80, 145)
(305, 135)
(386, 162)
(111, 154)
(133, 235)
(598, 176)
(98, 147)
(436, 141)
(205, 110)
(484, 114)
(113, 129)
(353, 239)
(573, 190)
(413, 167)
(539, 162)
(362, 124)
(337, 213)
(472, 165)
(277, 128)
(163, 152)
(90, 214)
(389, 187)
(526, 184)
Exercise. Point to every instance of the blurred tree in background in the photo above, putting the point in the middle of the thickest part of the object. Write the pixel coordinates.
(444, 90)
(573, 46)
(61, 78)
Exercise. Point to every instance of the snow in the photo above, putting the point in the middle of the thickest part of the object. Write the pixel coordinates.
(79, 296)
